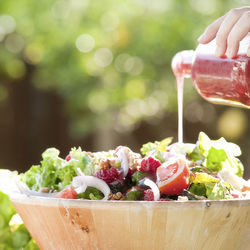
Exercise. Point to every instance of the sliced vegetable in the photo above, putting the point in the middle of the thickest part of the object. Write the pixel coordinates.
(173, 178)
(25, 190)
(215, 172)
(67, 193)
(92, 181)
(122, 154)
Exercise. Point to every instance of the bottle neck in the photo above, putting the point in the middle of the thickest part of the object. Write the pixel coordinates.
(182, 63)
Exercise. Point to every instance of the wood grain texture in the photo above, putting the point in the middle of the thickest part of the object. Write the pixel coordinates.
(124, 225)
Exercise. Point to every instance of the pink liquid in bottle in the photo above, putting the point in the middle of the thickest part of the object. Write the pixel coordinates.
(222, 80)
(218, 80)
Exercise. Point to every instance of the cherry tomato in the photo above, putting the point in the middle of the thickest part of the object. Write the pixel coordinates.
(173, 178)
(67, 193)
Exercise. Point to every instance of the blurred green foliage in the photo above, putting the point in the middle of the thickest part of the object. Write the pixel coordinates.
(109, 60)
(13, 233)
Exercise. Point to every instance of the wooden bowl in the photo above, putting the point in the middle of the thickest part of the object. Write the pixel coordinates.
(116, 225)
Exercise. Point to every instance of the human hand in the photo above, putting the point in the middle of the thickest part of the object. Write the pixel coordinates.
(228, 31)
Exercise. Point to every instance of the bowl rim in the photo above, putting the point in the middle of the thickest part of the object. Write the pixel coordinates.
(55, 202)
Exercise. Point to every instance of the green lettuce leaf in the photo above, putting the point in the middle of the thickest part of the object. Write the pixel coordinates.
(216, 155)
(198, 189)
(55, 172)
(217, 192)
(51, 153)
(148, 147)
(91, 193)
(163, 144)
(158, 146)
(210, 190)
(234, 165)
(134, 195)
(65, 175)
(83, 161)
(137, 176)
(32, 177)
(44, 175)
(215, 158)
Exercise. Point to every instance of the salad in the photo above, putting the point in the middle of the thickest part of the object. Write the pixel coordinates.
(164, 171)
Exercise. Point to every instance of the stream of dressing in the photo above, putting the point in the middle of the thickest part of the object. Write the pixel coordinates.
(180, 81)
(181, 66)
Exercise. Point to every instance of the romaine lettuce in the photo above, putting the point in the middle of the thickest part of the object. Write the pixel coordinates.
(216, 155)
(55, 172)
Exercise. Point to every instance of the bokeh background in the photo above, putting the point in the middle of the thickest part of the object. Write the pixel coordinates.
(97, 74)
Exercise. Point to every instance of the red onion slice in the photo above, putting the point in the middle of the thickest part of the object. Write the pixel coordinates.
(79, 185)
(154, 188)
(79, 172)
(92, 182)
(122, 154)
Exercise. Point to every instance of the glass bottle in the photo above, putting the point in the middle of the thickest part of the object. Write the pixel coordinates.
(218, 80)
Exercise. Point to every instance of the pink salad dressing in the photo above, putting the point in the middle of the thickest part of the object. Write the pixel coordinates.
(218, 80)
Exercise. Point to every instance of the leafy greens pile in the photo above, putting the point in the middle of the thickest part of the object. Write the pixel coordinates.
(215, 172)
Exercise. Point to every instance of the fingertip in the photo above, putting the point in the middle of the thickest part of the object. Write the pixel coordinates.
(204, 39)
(219, 52)
(232, 52)
(201, 38)
(230, 55)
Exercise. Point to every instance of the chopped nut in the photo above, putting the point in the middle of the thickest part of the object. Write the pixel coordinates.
(117, 196)
(104, 164)
(44, 190)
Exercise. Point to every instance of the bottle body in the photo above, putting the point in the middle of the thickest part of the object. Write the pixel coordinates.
(218, 80)
(222, 80)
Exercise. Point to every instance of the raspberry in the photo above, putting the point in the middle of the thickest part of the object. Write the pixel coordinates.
(68, 158)
(148, 195)
(107, 175)
(149, 165)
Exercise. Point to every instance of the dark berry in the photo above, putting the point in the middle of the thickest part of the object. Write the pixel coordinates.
(149, 164)
(108, 175)
(148, 195)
